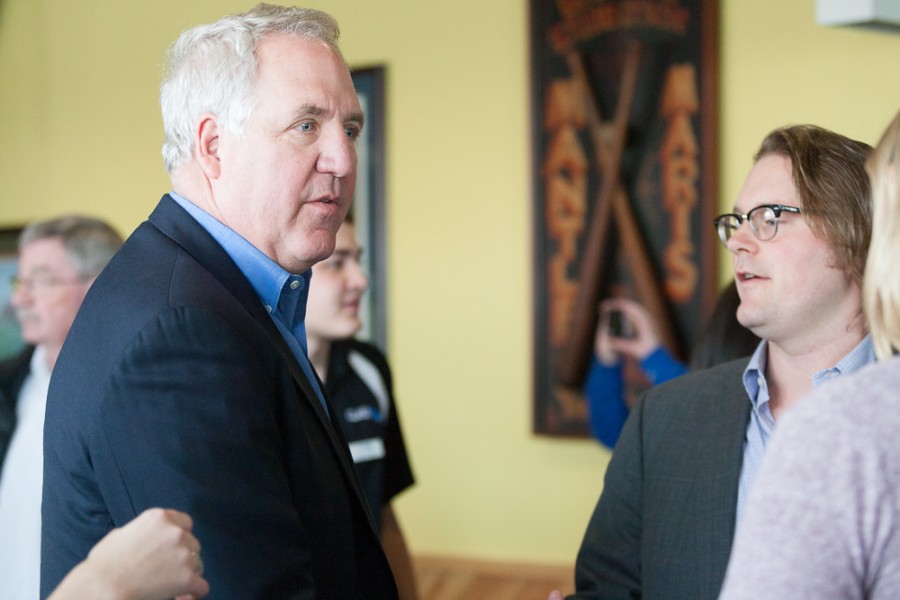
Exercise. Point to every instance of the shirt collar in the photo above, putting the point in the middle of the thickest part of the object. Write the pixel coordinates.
(860, 356)
(38, 365)
(755, 379)
(282, 293)
(754, 374)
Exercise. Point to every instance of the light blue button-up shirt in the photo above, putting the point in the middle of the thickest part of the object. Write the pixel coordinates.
(762, 422)
(283, 294)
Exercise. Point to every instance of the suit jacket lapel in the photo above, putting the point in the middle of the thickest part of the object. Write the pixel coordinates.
(719, 452)
(178, 225)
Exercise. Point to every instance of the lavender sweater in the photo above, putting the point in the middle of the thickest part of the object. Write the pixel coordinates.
(823, 519)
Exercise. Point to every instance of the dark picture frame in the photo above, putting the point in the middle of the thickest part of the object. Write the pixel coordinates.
(10, 338)
(624, 113)
(368, 208)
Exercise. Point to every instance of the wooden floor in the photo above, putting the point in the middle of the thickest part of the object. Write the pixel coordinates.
(441, 578)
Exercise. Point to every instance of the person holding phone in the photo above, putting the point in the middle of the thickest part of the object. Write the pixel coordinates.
(625, 329)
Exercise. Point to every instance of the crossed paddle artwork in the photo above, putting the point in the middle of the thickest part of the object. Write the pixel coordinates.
(623, 94)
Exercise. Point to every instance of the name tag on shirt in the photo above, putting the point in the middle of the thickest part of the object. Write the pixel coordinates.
(366, 450)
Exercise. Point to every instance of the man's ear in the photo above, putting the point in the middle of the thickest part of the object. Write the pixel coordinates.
(206, 149)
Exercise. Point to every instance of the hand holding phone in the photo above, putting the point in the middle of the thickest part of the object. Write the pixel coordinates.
(619, 325)
(625, 328)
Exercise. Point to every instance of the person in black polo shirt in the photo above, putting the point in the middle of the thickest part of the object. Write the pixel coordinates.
(358, 384)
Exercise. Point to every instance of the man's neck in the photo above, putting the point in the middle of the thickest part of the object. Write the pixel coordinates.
(189, 182)
(51, 353)
(789, 372)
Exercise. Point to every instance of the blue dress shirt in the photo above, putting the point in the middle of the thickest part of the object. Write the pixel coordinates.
(762, 422)
(282, 293)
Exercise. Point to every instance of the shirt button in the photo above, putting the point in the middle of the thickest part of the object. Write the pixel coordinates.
(268, 308)
(295, 284)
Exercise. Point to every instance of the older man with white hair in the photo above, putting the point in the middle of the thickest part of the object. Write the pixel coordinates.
(185, 381)
(58, 261)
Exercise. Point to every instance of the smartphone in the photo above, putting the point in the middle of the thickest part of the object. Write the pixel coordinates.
(619, 325)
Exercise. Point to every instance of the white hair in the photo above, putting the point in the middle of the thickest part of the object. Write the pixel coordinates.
(90, 243)
(213, 68)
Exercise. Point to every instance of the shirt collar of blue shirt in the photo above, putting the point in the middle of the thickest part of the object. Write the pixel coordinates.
(755, 378)
(282, 293)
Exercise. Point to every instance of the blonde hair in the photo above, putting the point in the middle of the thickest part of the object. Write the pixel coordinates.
(881, 286)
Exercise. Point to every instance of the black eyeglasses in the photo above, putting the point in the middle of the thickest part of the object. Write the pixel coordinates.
(763, 221)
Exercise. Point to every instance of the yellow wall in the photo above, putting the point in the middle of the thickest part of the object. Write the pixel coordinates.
(80, 130)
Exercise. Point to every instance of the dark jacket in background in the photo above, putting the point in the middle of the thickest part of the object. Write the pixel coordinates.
(13, 372)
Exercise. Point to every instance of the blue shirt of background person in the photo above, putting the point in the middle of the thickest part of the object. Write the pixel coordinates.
(604, 390)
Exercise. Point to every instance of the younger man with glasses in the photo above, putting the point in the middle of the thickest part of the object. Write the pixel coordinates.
(679, 476)
(58, 261)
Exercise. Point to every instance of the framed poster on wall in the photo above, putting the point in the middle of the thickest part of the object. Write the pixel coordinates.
(624, 178)
(368, 206)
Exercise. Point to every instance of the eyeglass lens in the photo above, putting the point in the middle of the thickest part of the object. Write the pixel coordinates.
(763, 224)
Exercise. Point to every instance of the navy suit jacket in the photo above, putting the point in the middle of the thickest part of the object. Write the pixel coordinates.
(175, 389)
(664, 524)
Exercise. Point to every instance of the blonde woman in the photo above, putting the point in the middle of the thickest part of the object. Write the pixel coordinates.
(833, 467)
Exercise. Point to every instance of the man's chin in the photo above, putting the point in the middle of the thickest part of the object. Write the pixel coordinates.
(31, 340)
(317, 247)
(754, 323)
(347, 329)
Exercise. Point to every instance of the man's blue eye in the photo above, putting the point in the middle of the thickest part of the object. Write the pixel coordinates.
(307, 126)
(352, 132)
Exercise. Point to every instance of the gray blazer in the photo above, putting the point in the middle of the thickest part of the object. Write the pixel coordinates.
(664, 524)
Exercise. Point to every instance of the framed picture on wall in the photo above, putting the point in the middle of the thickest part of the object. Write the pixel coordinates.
(624, 178)
(10, 340)
(368, 207)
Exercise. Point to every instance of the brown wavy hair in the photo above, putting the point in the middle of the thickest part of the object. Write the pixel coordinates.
(829, 173)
